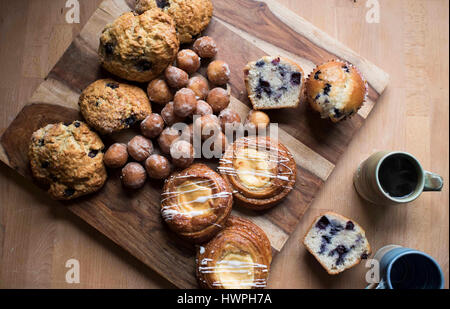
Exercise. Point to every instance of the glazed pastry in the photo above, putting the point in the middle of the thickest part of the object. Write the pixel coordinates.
(68, 159)
(261, 171)
(337, 242)
(336, 90)
(191, 16)
(109, 106)
(238, 257)
(205, 47)
(274, 82)
(196, 203)
(139, 48)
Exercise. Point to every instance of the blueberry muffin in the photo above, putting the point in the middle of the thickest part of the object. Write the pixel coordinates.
(68, 159)
(337, 242)
(191, 16)
(139, 48)
(274, 82)
(336, 90)
(109, 106)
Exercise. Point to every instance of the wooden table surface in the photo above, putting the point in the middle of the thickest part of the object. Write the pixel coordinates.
(411, 43)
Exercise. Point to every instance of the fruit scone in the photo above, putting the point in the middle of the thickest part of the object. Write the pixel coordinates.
(274, 82)
(337, 242)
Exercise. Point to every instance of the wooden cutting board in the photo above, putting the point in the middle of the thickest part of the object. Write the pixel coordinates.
(244, 30)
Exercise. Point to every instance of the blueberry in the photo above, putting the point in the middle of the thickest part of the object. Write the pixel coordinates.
(109, 48)
(337, 113)
(45, 164)
(130, 120)
(326, 238)
(323, 246)
(364, 256)
(296, 78)
(69, 192)
(322, 223)
(349, 226)
(327, 89)
(93, 153)
(283, 88)
(143, 65)
(341, 250)
(346, 69)
(260, 63)
(317, 96)
(276, 61)
(282, 71)
(336, 228)
(77, 124)
(316, 75)
(97, 103)
(162, 4)
(41, 142)
(112, 85)
(263, 86)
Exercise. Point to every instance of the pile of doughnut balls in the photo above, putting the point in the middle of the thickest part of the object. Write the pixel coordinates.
(182, 93)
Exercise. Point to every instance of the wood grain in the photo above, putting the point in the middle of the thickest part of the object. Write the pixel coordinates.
(286, 272)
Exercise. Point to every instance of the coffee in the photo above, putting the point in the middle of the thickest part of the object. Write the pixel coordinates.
(398, 176)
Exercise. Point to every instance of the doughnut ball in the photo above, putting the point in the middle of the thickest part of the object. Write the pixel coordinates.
(219, 145)
(167, 137)
(188, 133)
(205, 47)
(140, 148)
(209, 125)
(203, 109)
(188, 61)
(229, 119)
(152, 126)
(200, 86)
(218, 72)
(116, 156)
(219, 99)
(133, 176)
(182, 153)
(158, 91)
(175, 77)
(257, 120)
(157, 167)
(169, 116)
(184, 102)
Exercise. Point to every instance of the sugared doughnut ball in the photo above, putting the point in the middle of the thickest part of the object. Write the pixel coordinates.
(169, 116)
(229, 119)
(188, 61)
(187, 133)
(158, 91)
(257, 120)
(208, 125)
(133, 176)
(116, 156)
(175, 77)
(182, 153)
(152, 126)
(140, 148)
(218, 72)
(184, 102)
(205, 47)
(203, 108)
(166, 138)
(157, 167)
(200, 86)
(219, 99)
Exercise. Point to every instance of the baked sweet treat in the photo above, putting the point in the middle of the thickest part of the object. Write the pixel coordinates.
(219, 99)
(337, 242)
(68, 159)
(274, 82)
(261, 171)
(152, 126)
(133, 176)
(140, 148)
(116, 156)
(109, 106)
(199, 85)
(218, 72)
(238, 257)
(176, 77)
(196, 203)
(205, 47)
(182, 153)
(336, 90)
(159, 92)
(188, 61)
(191, 16)
(139, 48)
(257, 120)
(157, 167)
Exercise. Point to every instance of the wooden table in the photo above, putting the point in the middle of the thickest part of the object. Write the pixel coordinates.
(410, 43)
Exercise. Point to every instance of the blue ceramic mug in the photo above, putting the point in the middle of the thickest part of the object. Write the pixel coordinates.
(404, 268)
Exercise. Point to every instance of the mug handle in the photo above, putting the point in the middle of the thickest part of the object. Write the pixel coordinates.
(433, 182)
(382, 285)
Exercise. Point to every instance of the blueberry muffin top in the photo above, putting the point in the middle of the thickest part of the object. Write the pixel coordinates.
(68, 159)
(139, 48)
(191, 16)
(336, 90)
(109, 106)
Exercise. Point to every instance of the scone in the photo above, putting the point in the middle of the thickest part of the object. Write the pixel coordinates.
(337, 242)
(139, 48)
(336, 90)
(191, 16)
(68, 159)
(109, 106)
(238, 257)
(274, 82)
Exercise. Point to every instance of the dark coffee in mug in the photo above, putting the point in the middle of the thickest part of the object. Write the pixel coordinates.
(398, 176)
